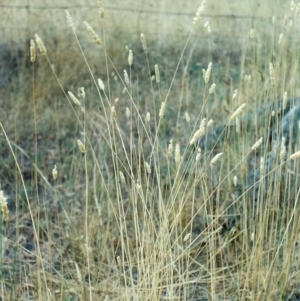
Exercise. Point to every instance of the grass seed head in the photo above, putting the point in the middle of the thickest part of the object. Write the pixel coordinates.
(280, 39)
(127, 112)
(54, 172)
(235, 181)
(199, 12)
(216, 158)
(247, 78)
(210, 123)
(144, 44)
(206, 73)
(81, 146)
(272, 74)
(148, 168)
(162, 110)
(284, 100)
(74, 98)
(234, 95)
(93, 34)
(101, 84)
(70, 20)
(295, 155)
(157, 75)
(203, 125)
(238, 111)
(282, 150)
(40, 44)
(79, 275)
(200, 9)
(187, 237)
(81, 92)
(257, 144)
(187, 117)
(148, 117)
(198, 134)
(170, 149)
(198, 156)
(138, 186)
(101, 12)
(119, 261)
(3, 204)
(126, 78)
(122, 177)
(130, 57)
(113, 112)
(212, 88)
(292, 6)
(32, 51)
(207, 26)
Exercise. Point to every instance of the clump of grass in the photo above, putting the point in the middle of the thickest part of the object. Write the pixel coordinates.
(133, 218)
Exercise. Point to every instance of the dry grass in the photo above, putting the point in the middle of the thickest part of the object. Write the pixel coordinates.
(109, 195)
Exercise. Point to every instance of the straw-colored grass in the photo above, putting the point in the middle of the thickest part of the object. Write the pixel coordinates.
(147, 172)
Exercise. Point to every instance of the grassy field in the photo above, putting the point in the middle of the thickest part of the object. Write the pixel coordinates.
(130, 168)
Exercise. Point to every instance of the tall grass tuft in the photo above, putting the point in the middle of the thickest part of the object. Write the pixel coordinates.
(153, 187)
